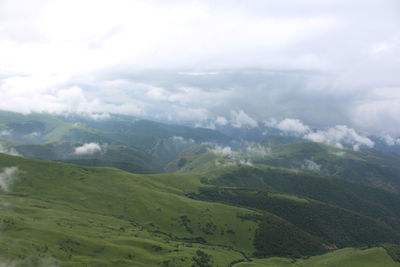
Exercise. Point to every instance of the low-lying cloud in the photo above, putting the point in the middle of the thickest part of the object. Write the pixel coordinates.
(7, 178)
(240, 119)
(310, 165)
(88, 149)
(232, 163)
(241, 156)
(5, 133)
(289, 125)
(182, 140)
(10, 151)
(224, 151)
(257, 150)
(339, 135)
(390, 141)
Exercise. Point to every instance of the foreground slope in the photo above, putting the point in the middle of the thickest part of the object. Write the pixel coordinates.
(79, 215)
(68, 215)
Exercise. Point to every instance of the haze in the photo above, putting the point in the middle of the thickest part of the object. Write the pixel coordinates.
(323, 63)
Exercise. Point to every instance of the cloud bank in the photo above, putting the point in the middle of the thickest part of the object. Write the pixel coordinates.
(338, 135)
(390, 141)
(324, 63)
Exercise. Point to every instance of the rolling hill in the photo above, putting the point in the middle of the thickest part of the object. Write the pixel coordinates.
(123, 191)
(368, 167)
(57, 213)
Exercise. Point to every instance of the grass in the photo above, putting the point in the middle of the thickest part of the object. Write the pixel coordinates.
(57, 213)
(78, 238)
(348, 257)
(80, 215)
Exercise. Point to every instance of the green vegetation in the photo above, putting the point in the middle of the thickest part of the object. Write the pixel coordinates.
(97, 215)
(393, 251)
(333, 225)
(216, 206)
(365, 167)
(349, 257)
(358, 198)
(80, 215)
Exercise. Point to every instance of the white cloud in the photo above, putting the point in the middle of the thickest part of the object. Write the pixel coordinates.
(198, 73)
(379, 111)
(336, 136)
(7, 178)
(142, 34)
(245, 162)
(87, 149)
(5, 132)
(257, 150)
(39, 93)
(310, 165)
(55, 59)
(10, 151)
(225, 163)
(390, 141)
(224, 151)
(191, 114)
(182, 140)
(99, 116)
(32, 135)
(220, 120)
(289, 125)
(241, 119)
(339, 135)
(232, 163)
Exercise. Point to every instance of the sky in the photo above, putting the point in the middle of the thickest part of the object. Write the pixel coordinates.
(325, 64)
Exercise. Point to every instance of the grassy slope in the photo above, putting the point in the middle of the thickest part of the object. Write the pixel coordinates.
(349, 257)
(78, 214)
(122, 157)
(366, 166)
(164, 142)
(358, 198)
(75, 215)
(47, 128)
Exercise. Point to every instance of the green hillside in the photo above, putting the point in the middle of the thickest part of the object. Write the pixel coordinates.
(163, 142)
(70, 215)
(84, 215)
(359, 198)
(374, 257)
(368, 167)
(122, 157)
(45, 128)
(85, 192)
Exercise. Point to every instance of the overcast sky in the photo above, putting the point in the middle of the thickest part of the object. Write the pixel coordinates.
(324, 63)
